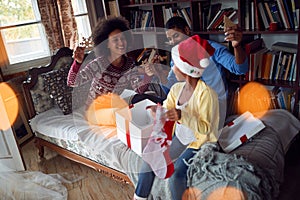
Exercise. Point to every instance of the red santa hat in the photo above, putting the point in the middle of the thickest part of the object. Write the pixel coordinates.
(191, 56)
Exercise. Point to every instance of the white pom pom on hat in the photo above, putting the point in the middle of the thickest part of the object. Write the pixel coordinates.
(191, 56)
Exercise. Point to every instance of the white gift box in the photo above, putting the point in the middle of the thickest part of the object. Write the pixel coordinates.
(134, 125)
(239, 131)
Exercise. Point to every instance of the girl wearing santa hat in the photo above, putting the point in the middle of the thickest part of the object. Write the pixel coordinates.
(194, 108)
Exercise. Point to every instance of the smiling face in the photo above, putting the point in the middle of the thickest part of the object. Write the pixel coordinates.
(176, 35)
(117, 43)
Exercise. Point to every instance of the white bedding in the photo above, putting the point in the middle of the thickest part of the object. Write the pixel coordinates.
(73, 127)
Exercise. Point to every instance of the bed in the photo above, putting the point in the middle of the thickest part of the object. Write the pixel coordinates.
(252, 171)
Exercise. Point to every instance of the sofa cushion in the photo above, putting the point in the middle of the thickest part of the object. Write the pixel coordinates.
(41, 100)
(56, 86)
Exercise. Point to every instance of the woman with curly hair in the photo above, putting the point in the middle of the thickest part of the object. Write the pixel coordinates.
(112, 70)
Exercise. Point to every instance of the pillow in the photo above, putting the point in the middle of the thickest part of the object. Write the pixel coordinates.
(102, 109)
(56, 86)
(41, 100)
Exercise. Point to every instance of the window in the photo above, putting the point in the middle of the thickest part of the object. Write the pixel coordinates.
(21, 31)
(82, 20)
(23, 41)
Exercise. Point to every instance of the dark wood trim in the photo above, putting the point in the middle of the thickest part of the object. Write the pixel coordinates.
(114, 174)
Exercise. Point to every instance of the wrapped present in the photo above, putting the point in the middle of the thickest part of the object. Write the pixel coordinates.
(134, 125)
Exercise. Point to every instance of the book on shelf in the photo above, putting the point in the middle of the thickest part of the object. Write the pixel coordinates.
(282, 98)
(259, 62)
(285, 46)
(232, 17)
(252, 15)
(283, 14)
(251, 47)
(263, 15)
(268, 10)
(167, 13)
(278, 66)
(247, 15)
(275, 13)
(283, 66)
(275, 56)
(295, 72)
(288, 67)
(186, 15)
(213, 10)
(258, 22)
(215, 18)
(294, 13)
(226, 12)
(288, 10)
(255, 64)
(292, 73)
(266, 64)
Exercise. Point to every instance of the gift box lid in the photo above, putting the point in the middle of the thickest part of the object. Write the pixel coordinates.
(239, 131)
(135, 118)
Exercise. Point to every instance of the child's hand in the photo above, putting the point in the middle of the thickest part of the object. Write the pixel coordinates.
(173, 114)
(153, 110)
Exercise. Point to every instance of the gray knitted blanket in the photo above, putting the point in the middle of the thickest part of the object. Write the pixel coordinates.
(214, 173)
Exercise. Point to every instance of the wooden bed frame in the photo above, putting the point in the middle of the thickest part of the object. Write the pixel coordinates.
(32, 78)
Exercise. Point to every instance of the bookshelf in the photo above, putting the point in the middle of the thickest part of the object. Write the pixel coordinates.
(248, 15)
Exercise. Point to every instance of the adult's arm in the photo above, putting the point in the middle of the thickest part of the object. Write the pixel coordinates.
(225, 58)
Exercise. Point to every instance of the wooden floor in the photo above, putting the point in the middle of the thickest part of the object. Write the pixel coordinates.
(92, 185)
(96, 186)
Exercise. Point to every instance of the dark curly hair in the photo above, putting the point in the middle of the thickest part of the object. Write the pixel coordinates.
(105, 26)
(176, 22)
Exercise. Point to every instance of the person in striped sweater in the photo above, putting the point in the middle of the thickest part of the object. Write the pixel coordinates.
(111, 71)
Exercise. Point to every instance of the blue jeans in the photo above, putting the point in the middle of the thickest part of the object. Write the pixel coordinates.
(177, 181)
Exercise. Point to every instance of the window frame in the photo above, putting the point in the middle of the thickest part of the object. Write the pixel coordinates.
(8, 69)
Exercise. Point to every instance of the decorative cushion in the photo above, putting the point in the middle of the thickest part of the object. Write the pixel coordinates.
(41, 99)
(56, 86)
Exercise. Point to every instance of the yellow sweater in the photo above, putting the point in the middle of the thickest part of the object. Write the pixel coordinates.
(201, 113)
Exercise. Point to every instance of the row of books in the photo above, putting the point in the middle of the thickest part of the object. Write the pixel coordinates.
(259, 14)
(280, 98)
(145, 1)
(141, 19)
(217, 23)
(277, 63)
(169, 12)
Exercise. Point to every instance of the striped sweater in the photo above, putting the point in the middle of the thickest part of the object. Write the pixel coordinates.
(106, 78)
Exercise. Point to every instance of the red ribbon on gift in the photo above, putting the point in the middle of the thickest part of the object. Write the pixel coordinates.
(230, 123)
(243, 139)
(128, 139)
